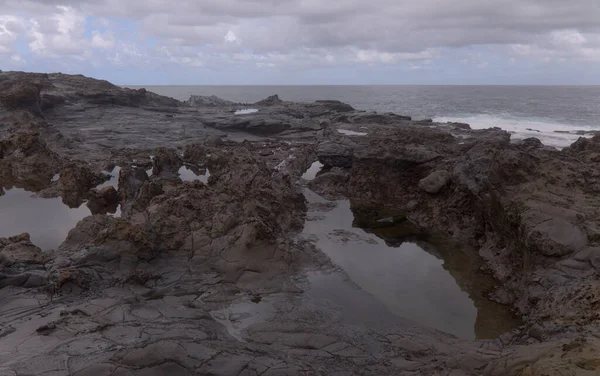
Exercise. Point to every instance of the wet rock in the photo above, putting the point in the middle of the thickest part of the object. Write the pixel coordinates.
(103, 200)
(166, 163)
(462, 126)
(435, 181)
(333, 154)
(76, 182)
(146, 284)
(331, 184)
(531, 142)
(131, 180)
(377, 118)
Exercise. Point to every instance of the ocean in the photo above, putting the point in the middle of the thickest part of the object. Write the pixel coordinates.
(545, 112)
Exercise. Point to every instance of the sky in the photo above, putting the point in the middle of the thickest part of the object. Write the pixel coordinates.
(255, 42)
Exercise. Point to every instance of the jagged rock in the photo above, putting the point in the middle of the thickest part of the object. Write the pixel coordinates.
(21, 263)
(269, 101)
(27, 161)
(462, 126)
(332, 184)
(103, 200)
(19, 250)
(333, 154)
(377, 118)
(336, 106)
(157, 284)
(435, 181)
(76, 182)
(131, 180)
(210, 101)
(21, 94)
(530, 142)
(166, 163)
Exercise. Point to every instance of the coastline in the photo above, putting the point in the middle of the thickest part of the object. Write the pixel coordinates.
(148, 290)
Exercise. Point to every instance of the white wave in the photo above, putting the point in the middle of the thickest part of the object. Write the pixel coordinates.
(522, 128)
(245, 111)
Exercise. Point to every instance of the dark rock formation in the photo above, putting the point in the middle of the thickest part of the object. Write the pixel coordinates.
(333, 154)
(103, 200)
(20, 262)
(269, 101)
(210, 101)
(166, 163)
(131, 180)
(27, 161)
(76, 182)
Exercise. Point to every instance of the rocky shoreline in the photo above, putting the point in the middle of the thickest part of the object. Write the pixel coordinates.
(173, 281)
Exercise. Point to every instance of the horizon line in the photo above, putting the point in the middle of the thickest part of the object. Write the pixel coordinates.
(307, 85)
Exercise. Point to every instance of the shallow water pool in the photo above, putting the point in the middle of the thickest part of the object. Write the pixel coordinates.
(411, 279)
(47, 220)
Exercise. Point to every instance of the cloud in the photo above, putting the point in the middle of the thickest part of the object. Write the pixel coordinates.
(102, 40)
(10, 29)
(561, 45)
(300, 33)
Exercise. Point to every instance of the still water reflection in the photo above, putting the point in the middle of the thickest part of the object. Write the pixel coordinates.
(47, 220)
(411, 279)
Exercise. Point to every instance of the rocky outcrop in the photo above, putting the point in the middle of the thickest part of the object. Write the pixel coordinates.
(175, 284)
(208, 101)
(21, 262)
(22, 94)
(269, 101)
(104, 200)
(131, 180)
(75, 183)
(166, 163)
(333, 154)
(26, 161)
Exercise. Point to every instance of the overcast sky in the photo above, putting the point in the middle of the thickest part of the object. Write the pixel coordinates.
(306, 41)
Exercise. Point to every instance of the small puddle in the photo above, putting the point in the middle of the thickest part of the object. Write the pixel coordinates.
(47, 220)
(114, 179)
(193, 173)
(312, 171)
(351, 133)
(411, 280)
(245, 111)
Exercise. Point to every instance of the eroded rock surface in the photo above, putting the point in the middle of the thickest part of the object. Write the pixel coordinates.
(209, 277)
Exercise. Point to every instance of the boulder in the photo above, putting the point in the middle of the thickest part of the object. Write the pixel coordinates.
(435, 181)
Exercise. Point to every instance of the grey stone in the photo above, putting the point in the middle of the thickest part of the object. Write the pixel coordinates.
(435, 181)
